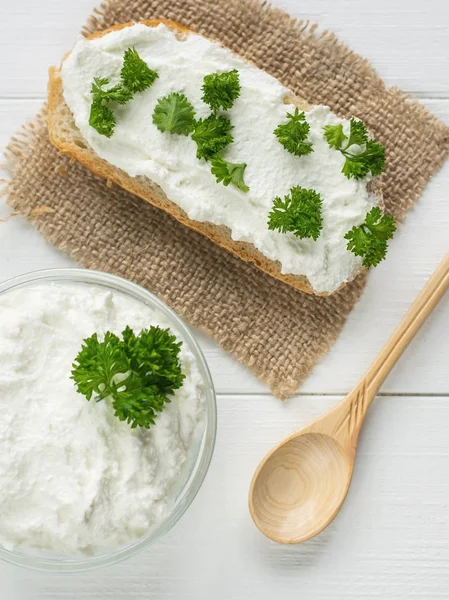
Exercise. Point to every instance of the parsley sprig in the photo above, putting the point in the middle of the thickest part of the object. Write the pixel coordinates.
(220, 90)
(174, 113)
(228, 172)
(357, 164)
(369, 240)
(212, 135)
(293, 134)
(138, 372)
(298, 212)
(136, 76)
(101, 116)
(119, 93)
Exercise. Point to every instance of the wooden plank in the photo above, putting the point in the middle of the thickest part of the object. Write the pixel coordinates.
(392, 286)
(390, 541)
(35, 35)
(406, 41)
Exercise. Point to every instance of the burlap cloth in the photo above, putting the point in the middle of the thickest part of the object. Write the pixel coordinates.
(276, 331)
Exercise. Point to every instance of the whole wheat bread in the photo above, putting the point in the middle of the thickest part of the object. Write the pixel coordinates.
(68, 139)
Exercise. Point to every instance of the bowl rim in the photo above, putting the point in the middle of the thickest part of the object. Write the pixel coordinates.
(206, 448)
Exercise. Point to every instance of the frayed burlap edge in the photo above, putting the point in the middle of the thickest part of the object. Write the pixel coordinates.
(19, 147)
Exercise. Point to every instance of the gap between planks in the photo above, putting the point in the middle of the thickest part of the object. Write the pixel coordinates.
(334, 394)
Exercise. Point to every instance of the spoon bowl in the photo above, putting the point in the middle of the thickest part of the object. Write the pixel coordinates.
(298, 489)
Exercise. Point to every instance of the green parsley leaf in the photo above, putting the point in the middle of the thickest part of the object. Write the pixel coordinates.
(118, 93)
(97, 364)
(175, 114)
(357, 133)
(136, 74)
(334, 135)
(298, 212)
(220, 90)
(369, 240)
(228, 172)
(212, 135)
(101, 116)
(138, 372)
(293, 134)
(370, 159)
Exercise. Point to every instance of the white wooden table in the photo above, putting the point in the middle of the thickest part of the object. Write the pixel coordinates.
(391, 539)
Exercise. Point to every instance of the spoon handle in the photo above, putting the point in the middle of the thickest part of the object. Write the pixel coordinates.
(421, 308)
(348, 416)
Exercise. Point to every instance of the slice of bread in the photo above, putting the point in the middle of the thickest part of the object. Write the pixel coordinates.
(68, 139)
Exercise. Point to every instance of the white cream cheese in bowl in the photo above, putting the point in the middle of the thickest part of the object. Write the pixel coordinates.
(78, 487)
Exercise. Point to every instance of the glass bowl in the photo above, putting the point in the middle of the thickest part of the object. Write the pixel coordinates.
(195, 471)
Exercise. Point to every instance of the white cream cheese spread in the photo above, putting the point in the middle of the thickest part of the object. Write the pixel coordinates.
(74, 479)
(140, 149)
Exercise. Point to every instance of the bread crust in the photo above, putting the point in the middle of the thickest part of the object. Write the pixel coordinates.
(140, 186)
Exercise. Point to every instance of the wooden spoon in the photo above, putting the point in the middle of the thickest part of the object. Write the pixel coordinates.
(300, 485)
